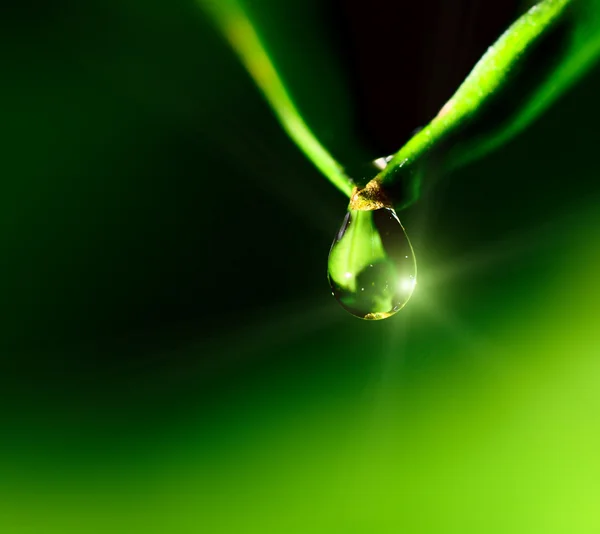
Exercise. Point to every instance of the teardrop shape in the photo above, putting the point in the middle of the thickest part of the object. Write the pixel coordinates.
(372, 268)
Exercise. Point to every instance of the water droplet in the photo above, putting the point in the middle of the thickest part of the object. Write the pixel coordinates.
(372, 269)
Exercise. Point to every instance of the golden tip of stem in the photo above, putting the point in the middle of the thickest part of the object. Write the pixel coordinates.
(369, 198)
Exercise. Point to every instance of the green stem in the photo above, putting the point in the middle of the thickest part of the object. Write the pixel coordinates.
(500, 72)
(244, 39)
(523, 73)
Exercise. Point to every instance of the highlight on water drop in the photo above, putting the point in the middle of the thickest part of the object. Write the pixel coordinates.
(372, 269)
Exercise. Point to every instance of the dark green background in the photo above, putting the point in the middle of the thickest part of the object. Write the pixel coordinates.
(172, 359)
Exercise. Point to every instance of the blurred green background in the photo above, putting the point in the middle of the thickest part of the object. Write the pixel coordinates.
(172, 358)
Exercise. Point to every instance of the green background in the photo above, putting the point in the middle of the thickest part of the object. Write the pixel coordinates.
(172, 360)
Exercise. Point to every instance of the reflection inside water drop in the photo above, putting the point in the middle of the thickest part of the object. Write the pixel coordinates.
(372, 269)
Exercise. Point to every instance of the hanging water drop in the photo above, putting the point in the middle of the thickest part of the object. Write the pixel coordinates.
(372, 269)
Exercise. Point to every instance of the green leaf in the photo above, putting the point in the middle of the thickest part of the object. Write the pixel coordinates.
(238, 28)
(543, 53)
(540, 56)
